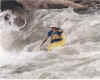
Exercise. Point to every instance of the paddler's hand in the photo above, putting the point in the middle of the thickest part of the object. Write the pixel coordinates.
(40, 46)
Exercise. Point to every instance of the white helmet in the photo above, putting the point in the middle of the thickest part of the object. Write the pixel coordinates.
(52, 26)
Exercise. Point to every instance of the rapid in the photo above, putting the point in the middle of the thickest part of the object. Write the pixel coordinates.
(22, 58)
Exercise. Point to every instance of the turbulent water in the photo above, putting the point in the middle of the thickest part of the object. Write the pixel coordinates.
(21, 57)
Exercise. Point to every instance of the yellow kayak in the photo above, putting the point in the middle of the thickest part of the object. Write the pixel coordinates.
(57, 44)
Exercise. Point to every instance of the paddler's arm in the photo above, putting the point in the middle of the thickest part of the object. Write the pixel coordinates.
(44, 41)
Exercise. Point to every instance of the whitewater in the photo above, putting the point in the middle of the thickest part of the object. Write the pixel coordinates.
(22, 58)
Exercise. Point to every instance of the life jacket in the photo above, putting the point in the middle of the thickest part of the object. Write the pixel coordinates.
(55, 36)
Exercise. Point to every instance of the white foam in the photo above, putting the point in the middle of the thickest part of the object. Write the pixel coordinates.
(79, 58)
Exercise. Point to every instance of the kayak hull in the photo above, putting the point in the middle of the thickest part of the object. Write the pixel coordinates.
(61, 43)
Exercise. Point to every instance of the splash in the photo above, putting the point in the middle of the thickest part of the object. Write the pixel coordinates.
(79, 58)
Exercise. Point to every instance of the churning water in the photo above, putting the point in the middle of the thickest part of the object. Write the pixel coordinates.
(21, 57)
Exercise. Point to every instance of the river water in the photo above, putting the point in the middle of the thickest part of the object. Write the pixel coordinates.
(21, 57)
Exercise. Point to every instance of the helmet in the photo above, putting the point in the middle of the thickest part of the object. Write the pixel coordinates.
(51, 26)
